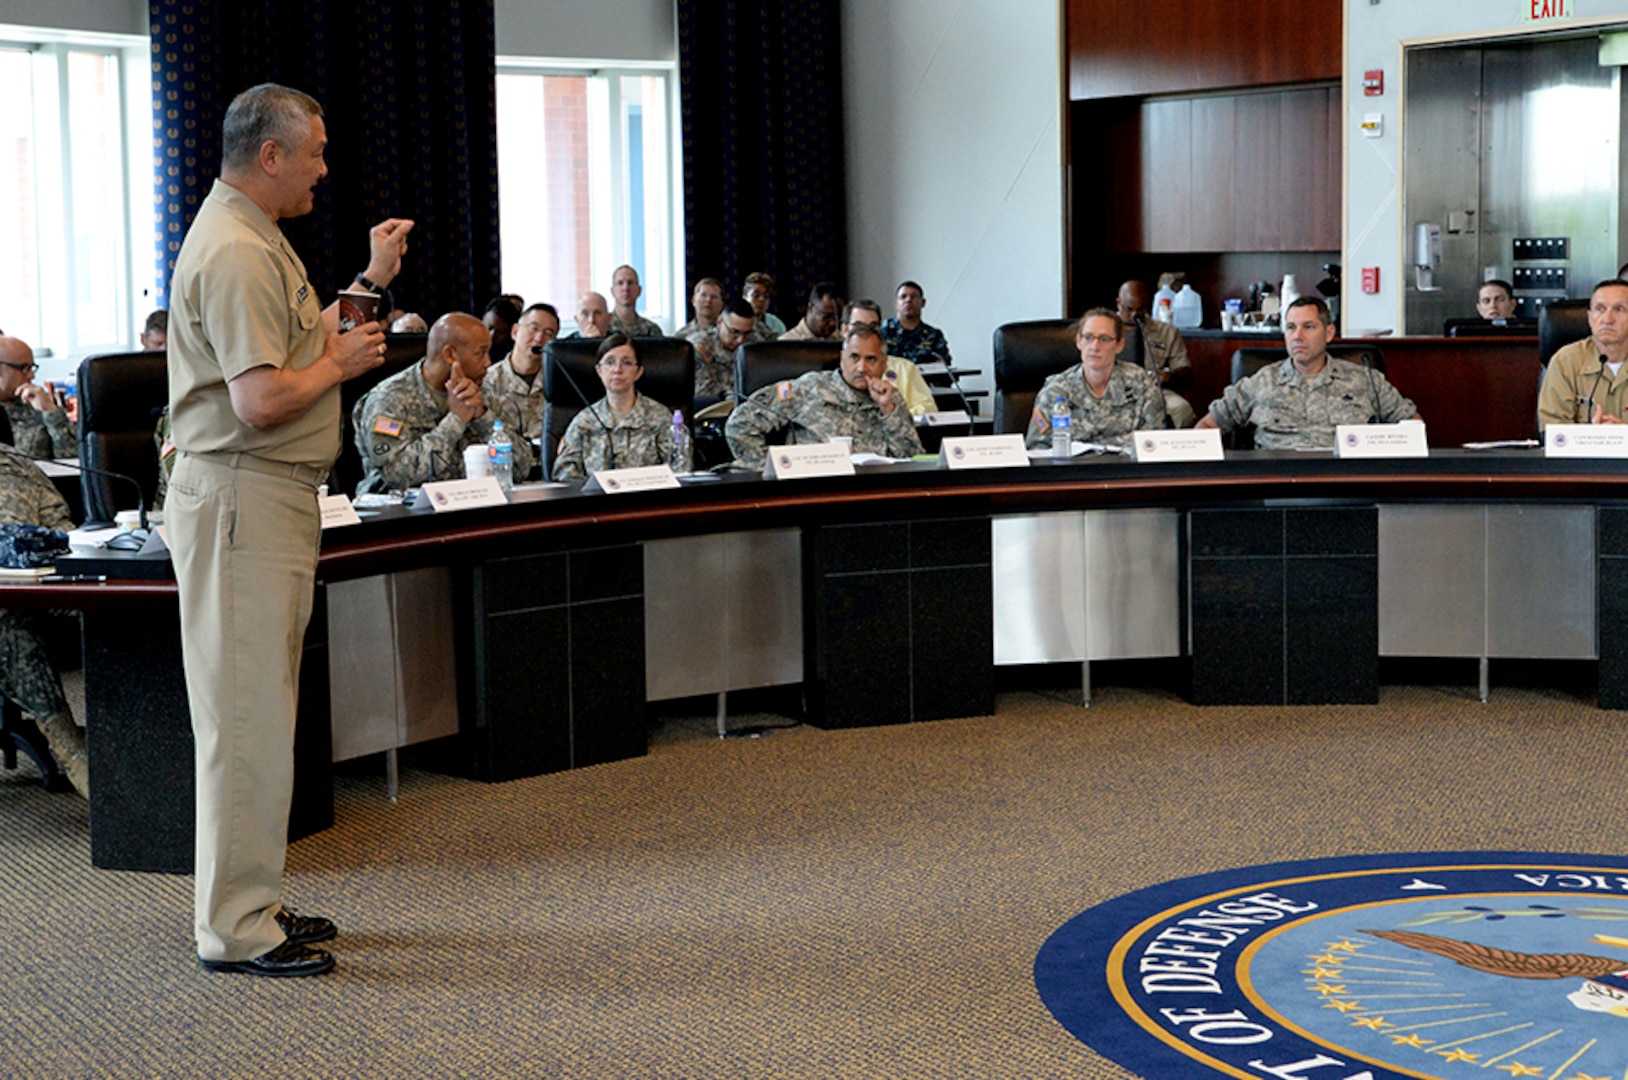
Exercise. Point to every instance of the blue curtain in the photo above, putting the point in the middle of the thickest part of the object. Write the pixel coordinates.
(764, 184)
(409, 91)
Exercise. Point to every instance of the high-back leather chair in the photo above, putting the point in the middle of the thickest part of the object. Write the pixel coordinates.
(568, 375)
(1026, 355)
(1250, 359)
(400, 351)
(763, 363)
(1560, 322)
(120, 398)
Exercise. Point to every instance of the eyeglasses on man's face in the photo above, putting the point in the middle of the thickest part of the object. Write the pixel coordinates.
(26, 369)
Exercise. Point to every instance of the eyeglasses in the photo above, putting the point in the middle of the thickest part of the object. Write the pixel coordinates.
(26, 369)
(609, 364)
(1100, 339)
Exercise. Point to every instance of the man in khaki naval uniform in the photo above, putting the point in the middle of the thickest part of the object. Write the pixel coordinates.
(255, 365)
(1585, 382)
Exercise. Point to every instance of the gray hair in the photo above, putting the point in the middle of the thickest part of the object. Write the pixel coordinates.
(267, 111)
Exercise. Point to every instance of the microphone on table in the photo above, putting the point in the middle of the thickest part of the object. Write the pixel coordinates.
(565, 373)
(1593, 390)
(1372, 388)
(141, 498)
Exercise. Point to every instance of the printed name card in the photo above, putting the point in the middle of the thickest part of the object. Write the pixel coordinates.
(953, 418)
(1406, 439)
(1585, 440)
(1185, 444)
(984, 452)
(622, 481)
(336, 511)
(803, 462)
(464, 494)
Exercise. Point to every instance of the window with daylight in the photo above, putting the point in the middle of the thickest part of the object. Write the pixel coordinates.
(585, 184)
(65, 195)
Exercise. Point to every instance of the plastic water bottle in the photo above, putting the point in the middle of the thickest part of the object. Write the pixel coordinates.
(1164, 303)
(683, 450)
(500, 450)
(1062, 429)
(1187, 309)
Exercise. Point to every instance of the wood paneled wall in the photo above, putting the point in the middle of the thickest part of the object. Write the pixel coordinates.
(1120, 49)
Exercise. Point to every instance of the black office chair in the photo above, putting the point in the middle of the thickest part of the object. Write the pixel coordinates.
(1488, 328)
(120, 398)
(1560, 323)
(568, 375)
(5, 429)
(1026, 355)
(18, 732)
(400, 351)
(1250, 359)
(763, 363)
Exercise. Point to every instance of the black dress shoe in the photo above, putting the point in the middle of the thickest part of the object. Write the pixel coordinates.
(305, 929)
(288, 960)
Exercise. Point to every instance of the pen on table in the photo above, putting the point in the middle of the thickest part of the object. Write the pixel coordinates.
(70, 577)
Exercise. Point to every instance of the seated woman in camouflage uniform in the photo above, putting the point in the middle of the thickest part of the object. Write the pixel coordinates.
(624, 429)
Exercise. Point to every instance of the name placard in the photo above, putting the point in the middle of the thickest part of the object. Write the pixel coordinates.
(623, 481)
(803, 462)
(1585, 440)
(1406, 439)
(447, 495)
(1185, 444)
(954, 418)
(984, 452)
(337, 511)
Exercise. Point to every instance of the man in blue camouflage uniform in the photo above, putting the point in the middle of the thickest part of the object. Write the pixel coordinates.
(907, 335)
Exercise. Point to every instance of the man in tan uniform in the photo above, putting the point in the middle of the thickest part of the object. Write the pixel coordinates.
(255, 365)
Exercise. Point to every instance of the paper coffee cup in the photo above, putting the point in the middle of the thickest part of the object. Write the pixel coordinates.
(476, 462)
(357, 307)
(127, 520)
(844, 441)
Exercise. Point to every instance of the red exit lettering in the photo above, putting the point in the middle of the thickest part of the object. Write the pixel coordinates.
(1548, 9)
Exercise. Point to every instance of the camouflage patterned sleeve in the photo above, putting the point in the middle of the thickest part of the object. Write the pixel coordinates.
(749, 426)
(899, 427)
(568, 461)
(27, 494)
(1236, 404)
(403, 456)
(1152, 413)
(504, 409)
(64, 437)
(1039, 433)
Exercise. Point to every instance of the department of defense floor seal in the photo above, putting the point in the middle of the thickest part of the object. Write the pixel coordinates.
(1450, 965)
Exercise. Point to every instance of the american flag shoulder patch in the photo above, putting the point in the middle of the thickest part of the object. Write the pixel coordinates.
(386, 426)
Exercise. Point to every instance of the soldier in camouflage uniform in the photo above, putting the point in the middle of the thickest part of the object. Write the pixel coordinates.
(38, 428)
(857, 401)
(166, 457)
(518, 378)
(625, 319)
(1296, 404)
(715, 350)
(708, 300)
(625, 429)
(1108, 399)
(413, 427)
(26, 674)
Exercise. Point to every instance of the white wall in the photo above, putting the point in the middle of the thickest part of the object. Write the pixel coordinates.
(1374, 38)
(597, 29)
(953, 113)
(101, 16)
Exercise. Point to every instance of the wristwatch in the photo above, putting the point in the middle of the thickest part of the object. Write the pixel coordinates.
(362, 280)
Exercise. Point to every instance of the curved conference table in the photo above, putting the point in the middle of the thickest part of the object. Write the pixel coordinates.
(889, 596)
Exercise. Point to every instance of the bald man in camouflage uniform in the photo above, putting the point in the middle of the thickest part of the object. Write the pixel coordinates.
(38, 428)
(1108, 399)
(26, 674)
(413, 427)
(857, 401)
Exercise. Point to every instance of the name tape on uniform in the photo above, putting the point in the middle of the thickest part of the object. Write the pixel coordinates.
(1185, 444)
(622, 481)
(984, 452)
(1585, 440)
(803, 462)
(1406, 439)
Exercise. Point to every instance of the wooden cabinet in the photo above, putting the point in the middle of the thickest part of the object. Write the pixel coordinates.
(1230, 172)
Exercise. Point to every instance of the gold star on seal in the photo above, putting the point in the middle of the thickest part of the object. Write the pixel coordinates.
(1343, 1006)
(1372, 1023)
(1410, 1040)
(1457, 1055)
(1322, 973)
(1326, 990)
(1515, 1068)
(1586, 1076)
(1342, 946)
(1327, 958)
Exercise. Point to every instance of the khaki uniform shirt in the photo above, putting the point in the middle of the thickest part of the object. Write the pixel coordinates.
(641, 436)
(407, 437)
(816, 407)
(1575, 374)
(41, 435)
(639, 327)
(801, 332)
(502, 381)
(1132, 402)
(1292, 412)
(270, 317)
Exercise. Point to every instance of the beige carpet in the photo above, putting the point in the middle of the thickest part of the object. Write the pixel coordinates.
(812, 904)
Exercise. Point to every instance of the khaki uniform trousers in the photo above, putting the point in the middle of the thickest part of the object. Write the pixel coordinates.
(245, 547)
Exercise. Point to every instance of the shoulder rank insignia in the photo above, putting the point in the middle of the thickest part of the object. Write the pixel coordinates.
(783, 391)
(386, 426)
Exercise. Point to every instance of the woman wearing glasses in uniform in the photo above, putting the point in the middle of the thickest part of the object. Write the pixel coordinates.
(622, 430)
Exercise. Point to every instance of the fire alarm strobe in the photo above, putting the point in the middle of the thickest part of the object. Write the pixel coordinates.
(1373, 83)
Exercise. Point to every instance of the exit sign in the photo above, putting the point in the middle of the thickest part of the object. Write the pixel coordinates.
(1546, 11)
